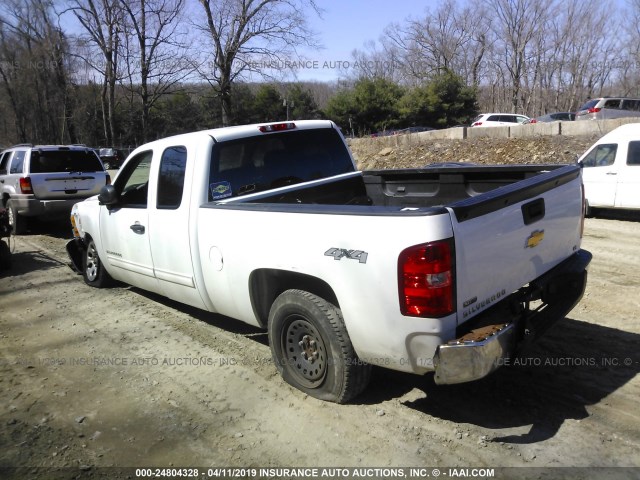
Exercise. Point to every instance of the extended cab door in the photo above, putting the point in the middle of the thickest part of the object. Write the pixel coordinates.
(628, 194)
(600, 175)
(124, 229)
(169, 218)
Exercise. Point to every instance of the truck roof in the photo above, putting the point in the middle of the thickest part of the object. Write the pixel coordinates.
(223, 134)
(630, 131)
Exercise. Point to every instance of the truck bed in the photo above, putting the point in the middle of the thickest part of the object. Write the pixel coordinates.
(469, 191)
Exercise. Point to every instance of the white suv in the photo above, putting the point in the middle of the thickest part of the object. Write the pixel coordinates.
(499, 120)
(47, 180)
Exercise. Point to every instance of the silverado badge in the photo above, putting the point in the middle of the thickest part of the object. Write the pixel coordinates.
(534, 239)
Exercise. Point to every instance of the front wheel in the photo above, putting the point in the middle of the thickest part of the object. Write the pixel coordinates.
(93, 270)
(312, 349)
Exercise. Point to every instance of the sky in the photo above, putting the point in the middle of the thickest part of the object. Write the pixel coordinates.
(348, 24)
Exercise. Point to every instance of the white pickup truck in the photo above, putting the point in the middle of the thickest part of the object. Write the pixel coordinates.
(612, 170)
(445, 269)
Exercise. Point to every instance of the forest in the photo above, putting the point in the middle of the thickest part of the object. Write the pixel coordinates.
(123, 72)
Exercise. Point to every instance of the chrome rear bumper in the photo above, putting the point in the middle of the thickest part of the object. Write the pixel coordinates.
(477, 353)
(467, 361)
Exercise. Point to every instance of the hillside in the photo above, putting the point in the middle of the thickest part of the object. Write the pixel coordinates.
(370, 154)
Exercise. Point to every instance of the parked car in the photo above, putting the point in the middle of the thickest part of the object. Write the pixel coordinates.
(343, 268)
(609, 107)
(112, 158)
(498, 120)
(554, 117)
(45, 180)
(611, 170)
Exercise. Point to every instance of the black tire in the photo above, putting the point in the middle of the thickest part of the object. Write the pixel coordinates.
(312, 350)
(18, 222)
(5, 256)
(93, 270)
(588, 211)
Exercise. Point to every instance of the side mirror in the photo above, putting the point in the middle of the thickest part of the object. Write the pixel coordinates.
(108, 195)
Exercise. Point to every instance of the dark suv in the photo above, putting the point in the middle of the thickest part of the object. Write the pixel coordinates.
(111, 158)
(47, 180)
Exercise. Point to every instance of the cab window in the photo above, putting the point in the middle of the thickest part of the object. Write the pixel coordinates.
(171, 178)
(133, 183)
(633, 156)
(601, 156)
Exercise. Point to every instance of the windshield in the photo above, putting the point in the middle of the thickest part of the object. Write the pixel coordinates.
(274, 160)
(49, 161)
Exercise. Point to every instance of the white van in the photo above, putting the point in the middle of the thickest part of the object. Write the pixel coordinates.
(611, 169)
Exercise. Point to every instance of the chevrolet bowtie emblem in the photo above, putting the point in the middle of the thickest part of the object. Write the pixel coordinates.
(534, 239)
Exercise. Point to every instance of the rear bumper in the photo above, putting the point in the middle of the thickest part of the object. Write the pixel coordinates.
(32, 207)
(497, 335)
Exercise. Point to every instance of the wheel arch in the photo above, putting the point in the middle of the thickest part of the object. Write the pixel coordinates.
(265, 285)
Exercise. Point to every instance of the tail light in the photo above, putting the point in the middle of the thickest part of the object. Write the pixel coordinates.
(25, 185)
(108, 181)
(426, 279)
(533, 121)
(477, 124)
(594, 110)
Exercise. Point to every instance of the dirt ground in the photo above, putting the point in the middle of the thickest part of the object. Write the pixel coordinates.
(95, 378)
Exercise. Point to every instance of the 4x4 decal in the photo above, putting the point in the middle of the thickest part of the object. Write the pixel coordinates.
(340, 253)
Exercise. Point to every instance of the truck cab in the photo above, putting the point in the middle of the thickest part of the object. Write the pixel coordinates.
(611, 169)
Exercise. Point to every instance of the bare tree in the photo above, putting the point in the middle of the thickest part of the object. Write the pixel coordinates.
(156, 51)
(102, 23)
(39, 73)
(246, 32)
(516, 25)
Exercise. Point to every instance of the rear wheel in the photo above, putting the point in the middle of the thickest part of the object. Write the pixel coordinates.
(18, 223)
(312, 349)
(93, 270)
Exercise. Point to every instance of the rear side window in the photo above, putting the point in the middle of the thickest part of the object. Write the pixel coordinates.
(274, 160)
(17, 162)
(614, 103)
(630, 105)
(633, 156)
(494, 118)
(601, 156)
(57, 161)
(171, 177)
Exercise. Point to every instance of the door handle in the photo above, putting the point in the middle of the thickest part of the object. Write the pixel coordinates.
(137, 228)
(611, 173)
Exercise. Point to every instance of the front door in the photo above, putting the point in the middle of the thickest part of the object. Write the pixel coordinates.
(124, 229)
(600, 175)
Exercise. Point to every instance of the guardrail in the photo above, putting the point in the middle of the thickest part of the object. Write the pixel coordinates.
(584, 127)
